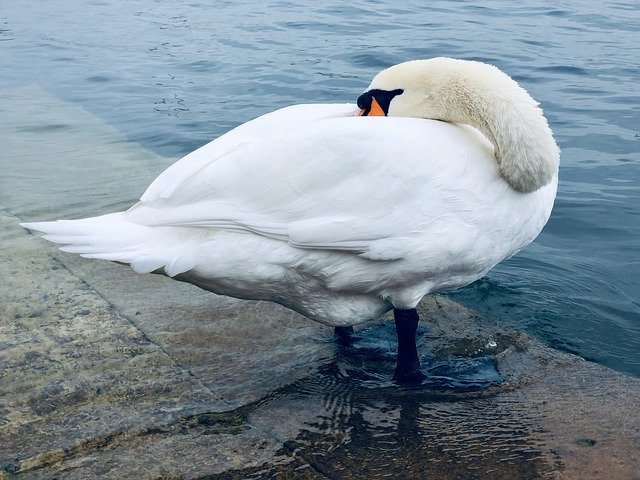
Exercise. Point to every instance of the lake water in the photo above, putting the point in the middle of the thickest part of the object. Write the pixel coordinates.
(171, 76)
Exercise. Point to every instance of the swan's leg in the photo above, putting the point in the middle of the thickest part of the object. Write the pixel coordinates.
(408, 363)
(343, 335)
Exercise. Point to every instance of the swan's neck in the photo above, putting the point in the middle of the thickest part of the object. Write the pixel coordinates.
(505, 113)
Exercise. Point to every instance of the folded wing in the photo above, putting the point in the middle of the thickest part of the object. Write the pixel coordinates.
(317, 177)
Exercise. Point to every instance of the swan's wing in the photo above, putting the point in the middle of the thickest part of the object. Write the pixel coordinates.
(273, 123)
(366, 185)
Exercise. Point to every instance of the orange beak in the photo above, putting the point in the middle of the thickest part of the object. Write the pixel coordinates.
(375, 110)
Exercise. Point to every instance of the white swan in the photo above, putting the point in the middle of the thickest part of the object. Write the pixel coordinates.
(343, 217)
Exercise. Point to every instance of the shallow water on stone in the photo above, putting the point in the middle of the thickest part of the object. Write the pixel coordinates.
(368, 360)
(413, 435)
(352, 420)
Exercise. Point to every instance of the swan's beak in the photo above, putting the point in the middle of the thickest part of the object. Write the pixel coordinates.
(374, 111)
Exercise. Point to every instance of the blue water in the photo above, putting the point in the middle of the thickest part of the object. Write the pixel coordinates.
(173, 75)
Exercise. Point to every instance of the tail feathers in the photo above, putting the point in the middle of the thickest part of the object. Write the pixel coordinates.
(113, 237)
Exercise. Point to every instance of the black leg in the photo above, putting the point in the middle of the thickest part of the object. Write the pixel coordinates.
(343, 335)
(408, 363)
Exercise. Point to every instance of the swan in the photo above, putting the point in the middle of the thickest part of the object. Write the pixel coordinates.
(445, 168)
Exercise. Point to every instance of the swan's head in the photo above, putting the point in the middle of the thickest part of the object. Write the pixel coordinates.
(476, 94)
(399, 91)
(437, 88)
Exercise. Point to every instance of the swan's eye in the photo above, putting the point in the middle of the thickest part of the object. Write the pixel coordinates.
(378, 99)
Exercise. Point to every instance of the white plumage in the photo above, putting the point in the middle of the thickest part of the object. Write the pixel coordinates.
(342, 217)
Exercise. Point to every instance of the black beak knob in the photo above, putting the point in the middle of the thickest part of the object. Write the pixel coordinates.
(383, 97)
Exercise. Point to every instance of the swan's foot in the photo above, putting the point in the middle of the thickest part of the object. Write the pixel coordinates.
(408, 363)
(343, 336)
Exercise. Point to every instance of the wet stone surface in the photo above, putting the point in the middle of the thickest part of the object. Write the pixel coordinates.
(108, 374)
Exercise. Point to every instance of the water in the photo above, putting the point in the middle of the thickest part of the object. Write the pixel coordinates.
(172, 76)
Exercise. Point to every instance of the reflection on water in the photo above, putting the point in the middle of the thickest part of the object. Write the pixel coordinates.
(412, 437)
